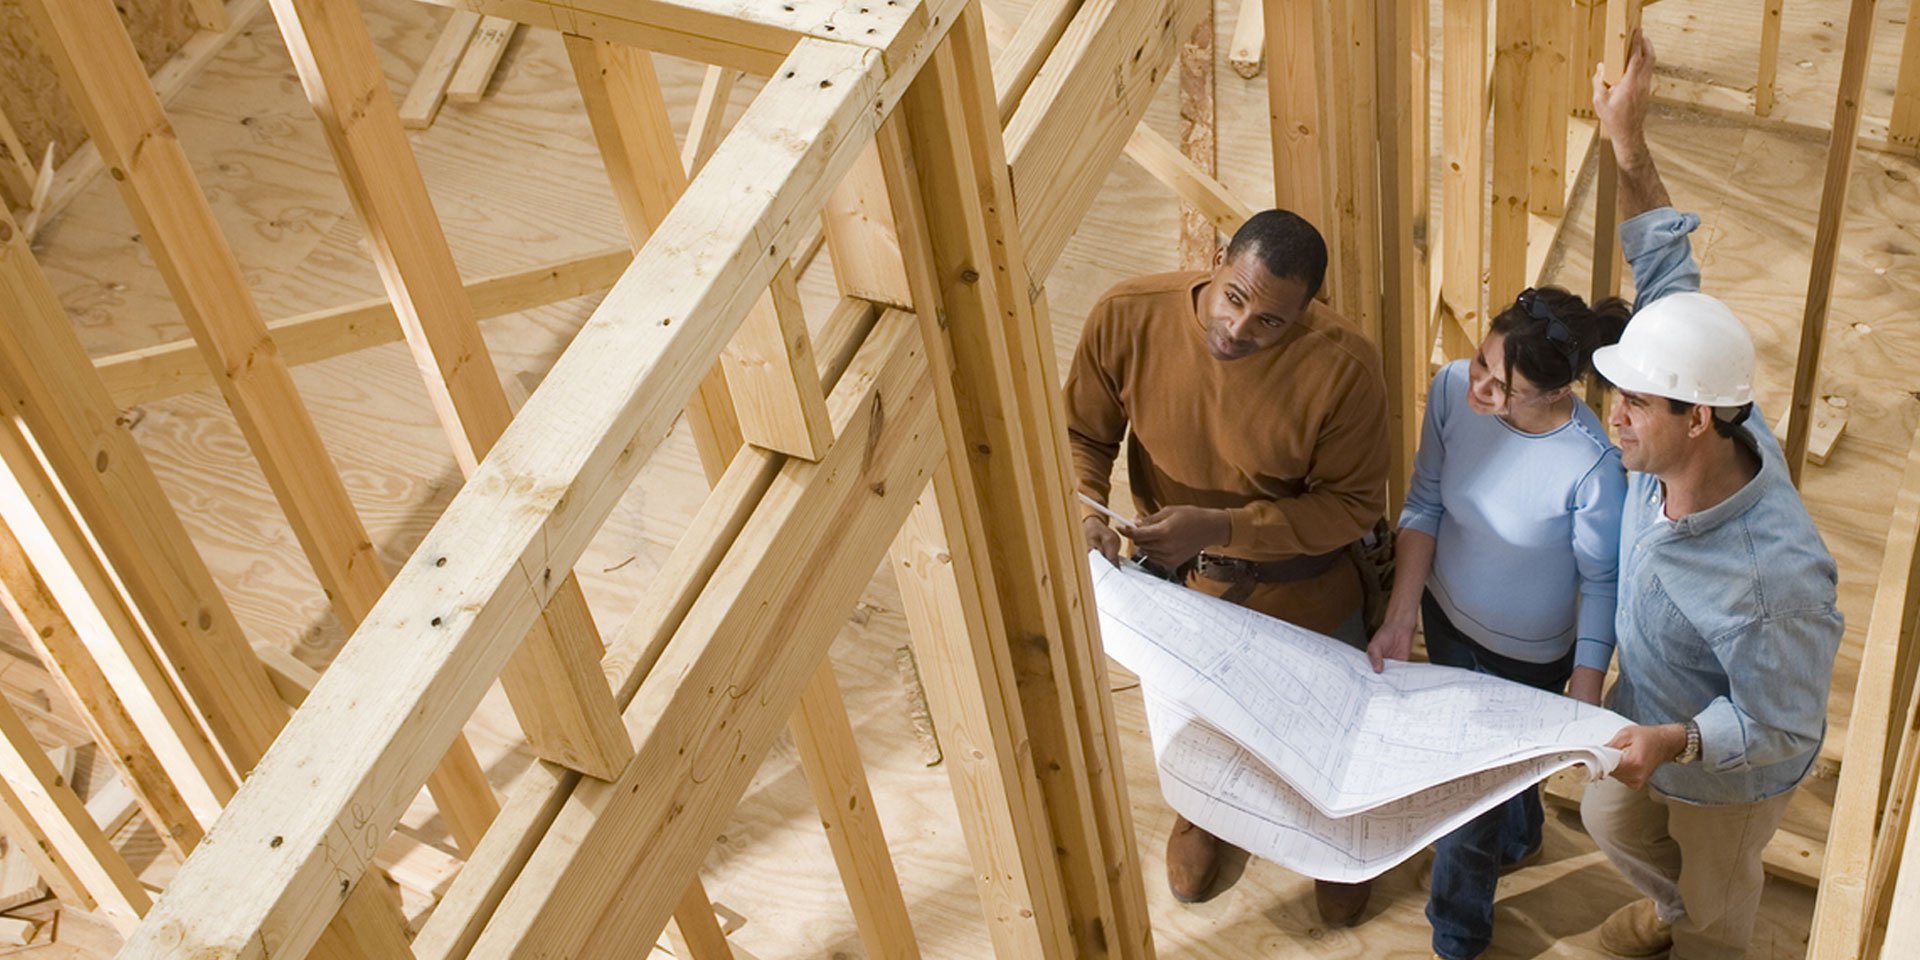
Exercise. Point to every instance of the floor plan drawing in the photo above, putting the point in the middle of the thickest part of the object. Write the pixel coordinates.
(1286, 743)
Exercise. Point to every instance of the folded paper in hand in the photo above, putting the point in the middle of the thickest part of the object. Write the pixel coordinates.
(1285, 743)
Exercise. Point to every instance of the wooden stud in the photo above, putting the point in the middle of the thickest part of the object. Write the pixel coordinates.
(763, 621)
(1198, 235)
(49, 823)
(1903, 909)
(823, 737)
(1513, 145)
(1020, 60)
(1547, 106)
(787, 411)
(540, 792)
(1248, 51)
(477, 65)
(946, 589)
(1083, 104)
(554, 681)
(16, 171)
(1295, 124)
(858, 225)
(169, 369)
(1403, 340)
(1463, 204)
(1015, 447)
(1210, 198)
(556, 474)
(430, 82)
(1349, 101)
(705, 129)
(1623, 18)
(51, 390)
(1840, 915)
(102, 75)
(1769, 58)
(50, 820)
(1903, 127)
(1826, 238)
(1419, 100)
(74, 669)
(694, 931)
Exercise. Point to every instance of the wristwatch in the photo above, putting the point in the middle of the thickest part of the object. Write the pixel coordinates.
(1691, 751)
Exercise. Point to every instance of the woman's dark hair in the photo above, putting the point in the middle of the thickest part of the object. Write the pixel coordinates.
(1551, 334)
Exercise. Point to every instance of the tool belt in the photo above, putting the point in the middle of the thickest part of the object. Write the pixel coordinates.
(1236, 570)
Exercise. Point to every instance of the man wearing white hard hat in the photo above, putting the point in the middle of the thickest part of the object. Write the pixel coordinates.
(1726, 622)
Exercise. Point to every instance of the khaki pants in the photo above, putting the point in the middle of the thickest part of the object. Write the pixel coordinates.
(1699, 864)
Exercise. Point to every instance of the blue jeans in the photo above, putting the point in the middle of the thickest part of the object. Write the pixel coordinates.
(1467, 862)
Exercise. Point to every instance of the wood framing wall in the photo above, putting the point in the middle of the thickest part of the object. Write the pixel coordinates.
(918, 426)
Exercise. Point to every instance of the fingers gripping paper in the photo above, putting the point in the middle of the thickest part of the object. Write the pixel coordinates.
(1287, 744)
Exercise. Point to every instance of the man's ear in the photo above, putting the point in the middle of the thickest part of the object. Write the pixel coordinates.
(1699, 420)
(1219, 256)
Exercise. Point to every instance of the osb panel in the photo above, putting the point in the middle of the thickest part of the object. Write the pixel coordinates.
(30, 91)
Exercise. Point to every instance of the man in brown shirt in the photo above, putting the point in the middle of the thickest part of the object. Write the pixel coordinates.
(1255, 424)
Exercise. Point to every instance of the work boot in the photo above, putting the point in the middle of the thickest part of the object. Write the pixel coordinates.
(1193, 860)
(1341, 904)
(1636, 931)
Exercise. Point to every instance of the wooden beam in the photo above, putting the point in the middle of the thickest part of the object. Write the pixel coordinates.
(1903, 909)
(16, 169)
(1020, 60)
(787, 410)
(1195, 187)
(540, 792)
(1404, 343)
(482, 58)
(102, 75)
(1463, 203)
(858, 225)
(706, 127)
(1547, 106)
(694, 931)
(553, 682)
(763, 623)
(169, 369)
(534, 503)
(1248, 50)
(50, 389)
(1008, 406)
(430, 82)
(1513, 146)
(209, 14)
(52, 826)
(1081, 108)
(1293, 108)
(1349, 101)
(1826, 236)
(1903, 127)
(823, 737)
(1841, 912)
(1769, 58)
(1623, 18)
(755, 36)
(946, 590)
(71, 664)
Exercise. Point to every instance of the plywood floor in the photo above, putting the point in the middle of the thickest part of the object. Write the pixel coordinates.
(516, 181)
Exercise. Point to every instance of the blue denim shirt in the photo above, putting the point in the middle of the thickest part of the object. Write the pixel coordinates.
(1726, 615)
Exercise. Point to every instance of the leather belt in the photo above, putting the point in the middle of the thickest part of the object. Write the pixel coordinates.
(1237, 570)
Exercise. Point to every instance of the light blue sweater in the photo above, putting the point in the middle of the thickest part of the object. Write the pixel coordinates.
(1527, 527)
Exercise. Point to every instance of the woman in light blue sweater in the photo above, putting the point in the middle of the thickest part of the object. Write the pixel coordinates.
(1507, 554)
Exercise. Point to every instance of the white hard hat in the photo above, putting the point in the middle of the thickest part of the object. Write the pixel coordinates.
(1684, 346)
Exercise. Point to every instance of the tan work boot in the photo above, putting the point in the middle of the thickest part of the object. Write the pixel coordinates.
(1341, 904)
(1636, 931)
(1193, 860)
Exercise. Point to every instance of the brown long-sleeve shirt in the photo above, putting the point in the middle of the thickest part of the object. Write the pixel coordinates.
(1291, 441)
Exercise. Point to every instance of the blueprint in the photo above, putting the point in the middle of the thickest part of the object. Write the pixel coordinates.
(1287, 744)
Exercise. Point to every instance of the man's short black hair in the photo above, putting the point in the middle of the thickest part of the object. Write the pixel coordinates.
(1287, 245)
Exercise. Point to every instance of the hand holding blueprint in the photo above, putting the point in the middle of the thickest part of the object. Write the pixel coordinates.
(1287, 744)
